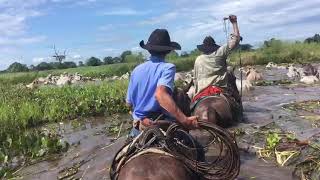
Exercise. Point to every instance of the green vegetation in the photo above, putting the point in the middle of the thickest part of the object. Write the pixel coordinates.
(280, 52)
(22, 109)
(17, 67)
(93, 61)
(95, 72)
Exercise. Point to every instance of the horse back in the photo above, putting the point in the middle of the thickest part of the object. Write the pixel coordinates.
(156, 167)
(215, 109)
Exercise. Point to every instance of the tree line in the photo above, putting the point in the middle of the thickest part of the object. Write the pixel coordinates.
(128, 57)
(125, 57)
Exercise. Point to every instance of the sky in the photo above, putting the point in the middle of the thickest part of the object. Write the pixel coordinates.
(30, 28)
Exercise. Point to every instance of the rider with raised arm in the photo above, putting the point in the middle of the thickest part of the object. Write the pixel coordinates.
(151, 86)
(210, 69)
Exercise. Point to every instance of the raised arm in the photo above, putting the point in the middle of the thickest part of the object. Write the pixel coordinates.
(236, 33)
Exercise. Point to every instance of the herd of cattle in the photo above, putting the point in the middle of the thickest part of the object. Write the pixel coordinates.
(68, 79)
(307, 74)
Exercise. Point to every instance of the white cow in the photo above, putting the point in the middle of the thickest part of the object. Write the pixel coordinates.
(64, 80)
(294, 72)
(271, 65)
(253, 75)
(309, 79)
(246, 85)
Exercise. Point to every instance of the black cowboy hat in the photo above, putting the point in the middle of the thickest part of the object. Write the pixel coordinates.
(159, 40)
(208, 45)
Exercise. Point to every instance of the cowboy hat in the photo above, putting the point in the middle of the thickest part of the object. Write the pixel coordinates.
(159, 40)
(208, 45)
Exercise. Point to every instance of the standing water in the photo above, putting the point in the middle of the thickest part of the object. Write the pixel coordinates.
(92, 149)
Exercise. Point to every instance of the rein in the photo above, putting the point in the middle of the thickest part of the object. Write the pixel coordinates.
(181, 145)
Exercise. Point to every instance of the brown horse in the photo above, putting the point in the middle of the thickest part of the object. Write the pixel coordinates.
(215, 110)
(155, 167)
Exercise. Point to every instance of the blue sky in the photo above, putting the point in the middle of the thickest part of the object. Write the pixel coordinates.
(30, 28)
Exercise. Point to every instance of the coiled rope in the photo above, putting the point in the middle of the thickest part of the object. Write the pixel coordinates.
(179, 143)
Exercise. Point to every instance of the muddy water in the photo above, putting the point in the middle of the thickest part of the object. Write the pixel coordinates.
(93, 150)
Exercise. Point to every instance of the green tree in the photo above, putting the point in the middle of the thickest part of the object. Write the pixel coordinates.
(116, 59)
(140, 57)
(43, 66)
(17, 67)
(315, 39)
(245, 47)
(93, 61)
(69, 64)
(184, 54)
(172, 55)
(134, 58)
(195, 52)
(80, 63)
(108, 60)
(124, 54)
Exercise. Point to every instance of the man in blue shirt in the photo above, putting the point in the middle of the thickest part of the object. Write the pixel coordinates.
(152, 83)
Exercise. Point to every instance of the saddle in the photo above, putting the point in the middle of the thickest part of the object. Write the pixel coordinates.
(155, 140)
(178, 143)
(235, 106)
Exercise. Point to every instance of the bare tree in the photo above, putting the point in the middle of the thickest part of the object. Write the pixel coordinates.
(59, 57)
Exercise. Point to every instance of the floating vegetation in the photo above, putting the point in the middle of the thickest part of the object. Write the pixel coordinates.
(22, 109)
(68, 173)
(23, 147)
(308, 167)
(273, 82)
(312, 106)
(286, 150)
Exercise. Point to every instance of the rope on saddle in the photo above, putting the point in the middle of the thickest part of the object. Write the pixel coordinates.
(181, 145)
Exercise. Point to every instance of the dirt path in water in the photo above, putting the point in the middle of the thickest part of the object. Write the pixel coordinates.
(94, 150)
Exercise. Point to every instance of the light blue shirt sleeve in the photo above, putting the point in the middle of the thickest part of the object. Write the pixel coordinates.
(167, 77)
(129, 91)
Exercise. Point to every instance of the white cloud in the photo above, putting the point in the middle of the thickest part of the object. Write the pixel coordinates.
(190, 21)
(123, 12)
(38, 60)
(77, 56)
(160, 19)
(109, 49)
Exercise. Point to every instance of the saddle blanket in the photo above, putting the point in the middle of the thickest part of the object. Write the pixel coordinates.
(209, 91)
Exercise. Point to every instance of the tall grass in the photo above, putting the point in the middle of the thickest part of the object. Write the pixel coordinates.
(22, 109)
(280, 52)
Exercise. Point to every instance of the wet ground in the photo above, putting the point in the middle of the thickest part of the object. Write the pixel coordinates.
(93, 150)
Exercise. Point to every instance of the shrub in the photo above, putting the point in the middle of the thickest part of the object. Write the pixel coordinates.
(17, 67)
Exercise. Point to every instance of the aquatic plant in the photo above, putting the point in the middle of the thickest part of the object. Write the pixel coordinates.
(23, 110)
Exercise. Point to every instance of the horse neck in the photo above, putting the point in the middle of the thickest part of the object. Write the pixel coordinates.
(182, 100)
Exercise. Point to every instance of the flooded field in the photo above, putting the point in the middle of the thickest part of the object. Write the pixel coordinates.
(270, 107)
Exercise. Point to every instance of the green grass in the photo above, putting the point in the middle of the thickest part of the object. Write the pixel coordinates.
(88, 71)
(22, 109)
(280, 52)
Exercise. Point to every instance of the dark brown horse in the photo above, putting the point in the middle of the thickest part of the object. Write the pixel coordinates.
(155, 167)
(224, 109)
(215, 110)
